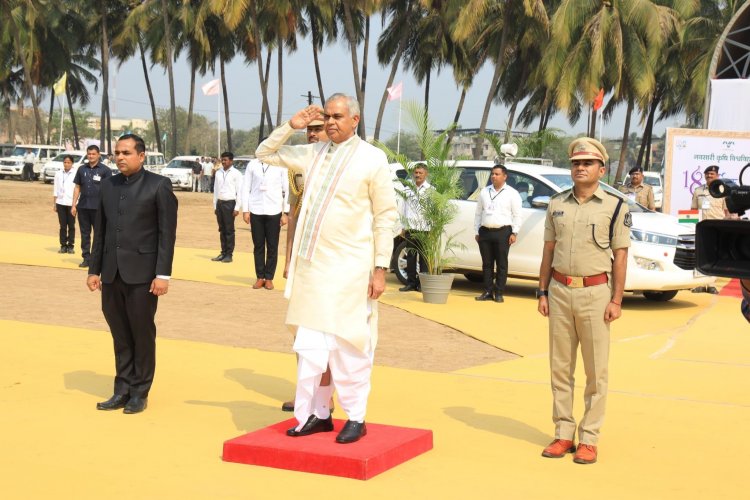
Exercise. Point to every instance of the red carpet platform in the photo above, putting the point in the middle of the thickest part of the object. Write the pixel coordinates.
(383, 448)
(731, 289)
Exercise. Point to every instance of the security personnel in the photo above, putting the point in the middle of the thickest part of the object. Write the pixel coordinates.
(639, 191)
(710, 208)
(86, 197)
(581, 282)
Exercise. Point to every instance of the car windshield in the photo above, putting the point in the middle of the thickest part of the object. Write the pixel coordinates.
(240, 165)
(61, 157)
(20, 151)
(182, 164)
(652, 181)
(565, 182)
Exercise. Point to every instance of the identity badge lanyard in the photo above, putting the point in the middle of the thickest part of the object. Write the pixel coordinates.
(263, 181)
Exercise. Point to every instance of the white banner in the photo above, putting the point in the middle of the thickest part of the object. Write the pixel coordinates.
(690, 151)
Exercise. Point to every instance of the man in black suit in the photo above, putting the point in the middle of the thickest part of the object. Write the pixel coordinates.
(134, 239)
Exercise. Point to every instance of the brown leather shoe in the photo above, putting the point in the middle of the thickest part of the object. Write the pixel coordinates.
(558, 448)
(259, 283)
(585, 454)
(269, 285)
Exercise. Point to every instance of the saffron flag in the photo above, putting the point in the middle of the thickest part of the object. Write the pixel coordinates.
(396, 91)
(59, 86)
(211, 88)
(688, 216)
(599, 100)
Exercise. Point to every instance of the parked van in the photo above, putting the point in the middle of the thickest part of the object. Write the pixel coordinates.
(155, 162)
(12, 165)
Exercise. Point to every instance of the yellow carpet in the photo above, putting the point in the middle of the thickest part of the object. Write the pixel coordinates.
(676, 423)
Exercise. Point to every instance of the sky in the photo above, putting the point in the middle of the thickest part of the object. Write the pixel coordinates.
(129, 98)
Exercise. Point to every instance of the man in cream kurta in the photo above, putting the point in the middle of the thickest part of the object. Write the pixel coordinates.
(342, 249)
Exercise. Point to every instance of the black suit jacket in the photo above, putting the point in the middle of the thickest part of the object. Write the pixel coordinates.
(135, 229)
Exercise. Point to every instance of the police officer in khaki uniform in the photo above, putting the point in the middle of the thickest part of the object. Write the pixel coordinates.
(710, 208)
(581, 282)
(639, 191)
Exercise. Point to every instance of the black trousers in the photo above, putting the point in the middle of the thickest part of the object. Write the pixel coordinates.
(265, 230)
(27, 174)
(86, 219)
(129, 311)
(225, 218)
(67, 225)
(411, 259)
(494, 247)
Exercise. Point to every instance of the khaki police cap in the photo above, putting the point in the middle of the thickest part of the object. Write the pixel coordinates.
(315, 123)
(586, 148)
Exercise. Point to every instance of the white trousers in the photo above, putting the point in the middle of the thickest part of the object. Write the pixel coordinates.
(350, 373)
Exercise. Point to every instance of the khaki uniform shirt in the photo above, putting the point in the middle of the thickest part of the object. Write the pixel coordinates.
(710, 207)
(581, 232)
(643, 194)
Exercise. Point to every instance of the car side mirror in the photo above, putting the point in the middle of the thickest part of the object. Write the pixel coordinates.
(540, 202)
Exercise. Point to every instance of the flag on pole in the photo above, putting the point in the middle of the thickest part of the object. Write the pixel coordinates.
(211, 88)
(59, 86)
(395, 91)
(599, 100)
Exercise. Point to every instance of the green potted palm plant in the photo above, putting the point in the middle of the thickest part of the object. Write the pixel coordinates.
(435, 206)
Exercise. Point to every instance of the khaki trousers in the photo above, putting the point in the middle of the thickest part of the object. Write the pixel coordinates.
(576, 316)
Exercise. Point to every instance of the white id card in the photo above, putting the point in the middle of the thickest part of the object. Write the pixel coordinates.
(97, 178)
(706, 203)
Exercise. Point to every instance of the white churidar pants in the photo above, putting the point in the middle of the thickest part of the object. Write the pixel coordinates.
(350, 373)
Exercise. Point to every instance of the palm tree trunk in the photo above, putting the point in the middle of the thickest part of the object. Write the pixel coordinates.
(11, 123)
(168, 48)
(365, 53)
(511, 118)
(190, 108)
(150, 98)
(267, 79)
(314, 28)
(105, 77)
(29, 84)
(592, 130)
(72, 117)
(647, 130)
(624, 144)
(49, 118)
(499, 67)
(349, 26)
(226, 104)
(427, 94)
(280, 71)
(458, 114)
(263, 88)
(391, 77)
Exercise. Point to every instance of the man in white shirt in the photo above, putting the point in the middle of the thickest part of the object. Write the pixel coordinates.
(28, 166)
(496, 224)
(227, 200)
(62, 204)
(208, 166)
(265, 205)
(413, 222)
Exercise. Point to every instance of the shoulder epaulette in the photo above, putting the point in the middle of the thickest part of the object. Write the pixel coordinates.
(567, 191)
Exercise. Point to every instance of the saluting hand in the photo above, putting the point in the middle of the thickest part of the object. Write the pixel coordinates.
(305, 115)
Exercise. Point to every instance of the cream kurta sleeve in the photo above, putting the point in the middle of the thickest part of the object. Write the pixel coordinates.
(384, 213)
(274, 152)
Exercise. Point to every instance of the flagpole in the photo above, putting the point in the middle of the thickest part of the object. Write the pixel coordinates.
(601, 123)
(62, 116)
(218, 124)
(398, 138)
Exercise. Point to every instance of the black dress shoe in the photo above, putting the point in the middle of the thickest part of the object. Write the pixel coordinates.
(352, 431)
(227, 259)
(114, 403)
(712, 290)
(484, 296)
(71, 249)
(409, 288)
(136, 405)
(312, 426)
(63, 249)
(287, 406)
(84, 263)
(218, 258)
(499, 298)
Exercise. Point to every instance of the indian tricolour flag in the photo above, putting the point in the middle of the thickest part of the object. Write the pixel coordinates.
(688, 216)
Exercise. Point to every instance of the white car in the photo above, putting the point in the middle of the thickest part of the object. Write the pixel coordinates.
(661, 259)
(154, 162)
(180, 171)
(12, 166)
(56, 164)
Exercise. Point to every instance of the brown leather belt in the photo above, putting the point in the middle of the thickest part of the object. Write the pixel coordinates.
(580, 281)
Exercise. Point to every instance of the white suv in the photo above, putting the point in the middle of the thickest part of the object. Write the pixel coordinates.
(56, 164)
(660, 261)
(12, 166)
(180, 171)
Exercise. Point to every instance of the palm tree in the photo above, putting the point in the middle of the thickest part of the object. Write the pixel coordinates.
(355, 14)
(320, 15)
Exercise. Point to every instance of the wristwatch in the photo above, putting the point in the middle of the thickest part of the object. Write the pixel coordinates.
(541, 293)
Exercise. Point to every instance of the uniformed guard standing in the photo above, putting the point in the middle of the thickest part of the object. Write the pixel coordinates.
(639, 191)
(710, 208)
(581, 282)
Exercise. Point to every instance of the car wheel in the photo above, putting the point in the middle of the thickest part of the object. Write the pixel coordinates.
(398, 262)
(660, 296)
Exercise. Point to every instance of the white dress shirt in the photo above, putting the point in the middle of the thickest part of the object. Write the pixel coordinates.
(228, 186)
(265, 189)
(207, 167)
(498, 208)
(410, 212)
(64, 187)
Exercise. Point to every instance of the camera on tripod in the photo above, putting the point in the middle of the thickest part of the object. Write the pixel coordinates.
(723, 246)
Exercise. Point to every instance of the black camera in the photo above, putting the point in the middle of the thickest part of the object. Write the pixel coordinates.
(723, 246)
